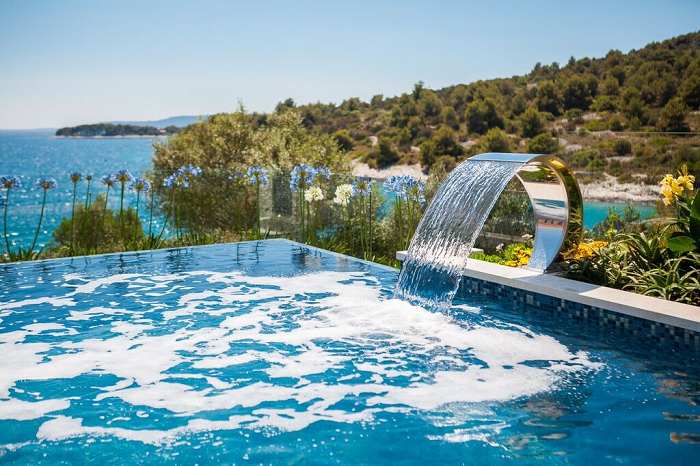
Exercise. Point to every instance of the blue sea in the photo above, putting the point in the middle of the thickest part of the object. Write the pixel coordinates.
(37, 153)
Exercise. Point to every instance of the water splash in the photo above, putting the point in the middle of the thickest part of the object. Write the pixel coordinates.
(443, 241)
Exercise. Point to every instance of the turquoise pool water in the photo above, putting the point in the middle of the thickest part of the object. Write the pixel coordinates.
(269, 352)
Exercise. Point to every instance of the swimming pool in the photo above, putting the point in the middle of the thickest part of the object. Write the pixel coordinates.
(275, 352)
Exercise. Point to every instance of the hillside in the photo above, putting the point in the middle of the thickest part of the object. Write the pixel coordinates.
(178, 121)
(628, 117)
(110, 130)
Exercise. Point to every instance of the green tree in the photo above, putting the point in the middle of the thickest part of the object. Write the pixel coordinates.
(672, 116)
(610, 86)
(449, 117)
(622, 147)
(386, 155)
(543, 144)
(690, 90)
(482, 115)
(548, 98)
(429, 104)
(576, 93)
(496, 140)
(344, 140)
(531, 123)
(443, 142)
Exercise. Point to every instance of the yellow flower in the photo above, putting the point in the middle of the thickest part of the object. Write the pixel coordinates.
(671, 187)
(511, 263)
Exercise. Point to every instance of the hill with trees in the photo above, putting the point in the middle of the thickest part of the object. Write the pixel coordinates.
(112, 130)
(630, 115)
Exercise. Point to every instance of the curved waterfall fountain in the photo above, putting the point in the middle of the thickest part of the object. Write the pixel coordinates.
(442, 243)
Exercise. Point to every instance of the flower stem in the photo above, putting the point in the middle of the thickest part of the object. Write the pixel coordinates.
(38, 228)
(136, 221)
(102, 221)
(150, 218)
(7, 238)
(257, 205)
(72, 221)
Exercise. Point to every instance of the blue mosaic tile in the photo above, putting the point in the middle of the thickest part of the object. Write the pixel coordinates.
(665, 336)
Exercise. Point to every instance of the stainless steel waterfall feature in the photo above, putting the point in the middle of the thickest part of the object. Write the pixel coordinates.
(556, 201)
(437, 256)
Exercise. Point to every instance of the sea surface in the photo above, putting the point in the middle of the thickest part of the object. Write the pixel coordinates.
(36, 153)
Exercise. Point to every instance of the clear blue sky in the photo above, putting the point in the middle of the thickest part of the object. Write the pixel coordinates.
(70, 62)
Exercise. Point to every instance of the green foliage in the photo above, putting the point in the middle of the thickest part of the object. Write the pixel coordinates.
(543, 144)
(548, 98)
(98, 231)
(622, 147)
(531, 123)
(110, 130)
(641, 263)
(442, 143)
(227, 143)
(386, 155)
(576, 93)
(482, 115)
(672, 117)
(627, 221)
(496, 140)
(344, 140)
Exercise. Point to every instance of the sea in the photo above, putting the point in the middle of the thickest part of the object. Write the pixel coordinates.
(31, 154)
(37, 153)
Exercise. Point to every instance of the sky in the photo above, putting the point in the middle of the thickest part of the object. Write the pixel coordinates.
(69, 62)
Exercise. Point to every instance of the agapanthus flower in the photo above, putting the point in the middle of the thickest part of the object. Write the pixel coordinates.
(343, 193)
(10, 182)
(396, 185)
(257, 175)
(236, 176)
(362, 187)
(140, 185)
(190, 171)
(108, 181)
(302, 177)
(415, 190)
(324, 172)
(313, 194)
(123, 176)
(88, 177)
(75, 177)
(46, 183)
(177, 179)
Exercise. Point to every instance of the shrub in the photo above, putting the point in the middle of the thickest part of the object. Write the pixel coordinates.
(622, 147)
(543, 144)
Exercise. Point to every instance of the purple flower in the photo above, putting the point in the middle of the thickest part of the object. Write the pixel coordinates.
(140, 185)
(108, 181)
(123, 176)
(75, 177)
(46, 183)
(10, 182)
(362, 187)
(257, 175)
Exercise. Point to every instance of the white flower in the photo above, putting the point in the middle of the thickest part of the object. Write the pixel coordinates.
(313, 194)
(527, 237)
(343, 193)
(499, 247)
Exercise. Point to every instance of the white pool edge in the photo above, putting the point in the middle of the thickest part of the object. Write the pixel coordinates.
(659, 310)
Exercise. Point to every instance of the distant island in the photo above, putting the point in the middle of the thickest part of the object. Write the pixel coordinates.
(108, 130)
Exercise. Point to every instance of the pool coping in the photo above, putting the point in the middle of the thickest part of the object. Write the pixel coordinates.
(671, 313)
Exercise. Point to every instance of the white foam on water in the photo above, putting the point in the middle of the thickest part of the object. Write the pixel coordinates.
(24, 410)
(401, 357)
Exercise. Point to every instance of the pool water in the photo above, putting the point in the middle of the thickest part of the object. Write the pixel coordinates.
(271, 352)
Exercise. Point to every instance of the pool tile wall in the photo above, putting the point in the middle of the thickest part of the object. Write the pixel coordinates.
(665, 336)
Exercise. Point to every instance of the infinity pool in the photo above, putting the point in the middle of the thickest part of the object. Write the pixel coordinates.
(269, 352)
